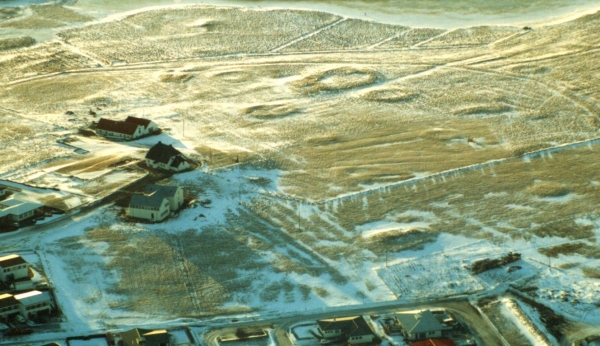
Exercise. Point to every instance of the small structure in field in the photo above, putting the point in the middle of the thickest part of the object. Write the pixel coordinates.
(351, 330)
(420, 325)
(162, 156)
(131, 128)
(141, 337)
(156, 203)
(17, 210)
(34, 303)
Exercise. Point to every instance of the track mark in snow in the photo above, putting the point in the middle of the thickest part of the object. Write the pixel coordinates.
(431, 39)
(305, 36)
(78, 51)
(386, 40)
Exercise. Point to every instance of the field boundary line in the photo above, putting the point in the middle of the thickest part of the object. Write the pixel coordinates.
(418, 44)
(377, 44)
(307, 35)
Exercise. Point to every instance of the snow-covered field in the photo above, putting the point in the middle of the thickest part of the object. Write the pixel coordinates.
(329, 179)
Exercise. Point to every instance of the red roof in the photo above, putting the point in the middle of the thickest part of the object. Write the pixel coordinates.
(139, 121)
(123, 127)
(434, 342)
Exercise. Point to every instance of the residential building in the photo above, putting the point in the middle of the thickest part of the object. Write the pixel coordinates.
(13, 268)
(144, 337)
(172, 193)
(420, 325)
(9, 306)
(162, 156)
(353, 330)
(119, 129)
(154, 207)
(18, 210)
(149, 126)
(34, 303)
(3, 192)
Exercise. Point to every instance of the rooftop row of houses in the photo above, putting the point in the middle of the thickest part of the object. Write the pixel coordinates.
(29, 304)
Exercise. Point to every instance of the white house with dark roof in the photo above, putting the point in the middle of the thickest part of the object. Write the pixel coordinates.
(34, 303)
(17, 209)
(162, 156)
(148, 126)
(353, 330)
(131, 128)
(420, 325)
(174, 194)
(9, 306)
(13, 267)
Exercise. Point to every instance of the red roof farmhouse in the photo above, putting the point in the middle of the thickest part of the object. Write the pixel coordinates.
(131, 128)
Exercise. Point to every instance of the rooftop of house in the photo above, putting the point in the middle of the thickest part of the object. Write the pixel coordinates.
(139, 121)
(162, 153)
(32, 297)
(11, 260)
(154, 200)
(126, 128)
(165, 190)
(350, 326)
(419, 322)
(15, 206)
(7, 300)
(434, 342)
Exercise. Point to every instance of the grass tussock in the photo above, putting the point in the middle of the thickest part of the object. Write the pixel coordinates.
(483, 109)
(591, 272)
(334, 80)
(564, 229)
(270, 111)
(567, 249)
(549, 189)
(390, 96)
(16, 42)
(176, 78)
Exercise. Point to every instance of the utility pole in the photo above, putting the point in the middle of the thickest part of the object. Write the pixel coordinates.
(386, 262)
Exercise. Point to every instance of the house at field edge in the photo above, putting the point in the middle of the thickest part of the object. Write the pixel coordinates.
(156, 203)
(18, 210)
(174, 194)
(13, 267)
(34, 303)
(420, 325)
(166, 157)
(131, 128)
(353, 330)
(9, 306)
(142, 337)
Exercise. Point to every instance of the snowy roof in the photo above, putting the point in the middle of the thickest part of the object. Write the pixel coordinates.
(14, 206)
(151, 200)
(420, 322)
(7, 300)
(11, 260)
(165, 190)
(123, 127)
(33, 297)
(351, 326)
(139, 121)
(162, 152)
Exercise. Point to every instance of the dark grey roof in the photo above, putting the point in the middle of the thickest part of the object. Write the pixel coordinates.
(153, 200)
(165, 190)
(162, 153)
(350, 326)
(420, 322)
(177, 161)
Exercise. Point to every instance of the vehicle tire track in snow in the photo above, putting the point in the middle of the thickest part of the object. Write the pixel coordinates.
(373, 46)
(307, 35)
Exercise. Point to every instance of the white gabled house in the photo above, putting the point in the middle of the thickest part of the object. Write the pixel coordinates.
(162, 156)
(174, 194)
(12, 268)
(34, 303)
(18, 210)
(9, 307)
(352, 330)
(420, 325)
(156, 203)
(131, 128)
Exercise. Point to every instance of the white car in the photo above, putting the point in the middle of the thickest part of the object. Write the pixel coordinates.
(20, 318)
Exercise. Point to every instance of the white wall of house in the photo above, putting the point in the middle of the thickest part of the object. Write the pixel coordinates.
(361, 339)
(19, 271)
(152, 127)
(425, 335)
(331, 333)
(138, 132)
(9, 311)
(149, 213)
(183, 166)
(34, 309)
(177, 200)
